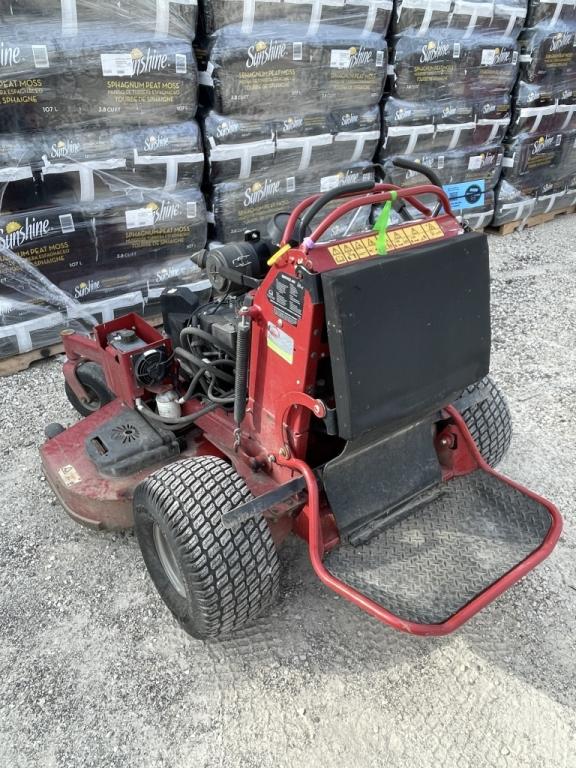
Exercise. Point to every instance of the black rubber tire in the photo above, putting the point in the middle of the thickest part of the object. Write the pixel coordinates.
(91, 376)
(230, 577)
(485, 411)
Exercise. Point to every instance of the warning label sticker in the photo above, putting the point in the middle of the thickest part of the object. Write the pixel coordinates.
(395, 239)
(69, 475)
(280, 342)
(286, 294)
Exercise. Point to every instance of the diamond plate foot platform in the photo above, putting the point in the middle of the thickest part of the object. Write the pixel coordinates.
(426, 566)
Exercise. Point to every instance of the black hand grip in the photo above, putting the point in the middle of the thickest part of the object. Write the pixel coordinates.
(300, 229)
(409, 165)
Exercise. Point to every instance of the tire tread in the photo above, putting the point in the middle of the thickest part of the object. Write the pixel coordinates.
(234, 576)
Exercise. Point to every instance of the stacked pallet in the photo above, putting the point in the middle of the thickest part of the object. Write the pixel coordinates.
(539, 175)
(455, 63)
(100, 161)
(293, 93)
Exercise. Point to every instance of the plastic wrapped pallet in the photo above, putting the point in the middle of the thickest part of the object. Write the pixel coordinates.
(104, 248)
(160, 17)
(92, 81)
(538, 166)
(547, 78)
(447, 66)
(58, 243)
(264, 73)
(292, 99)
(549, 13)
(101, 159)
(455, 63)
(465, 18)
(538, 176)
(155, 228)
(363, 15)
(239, 149)
(79, 165)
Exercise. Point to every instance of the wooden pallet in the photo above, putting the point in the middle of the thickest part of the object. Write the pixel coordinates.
(532, 221)
(10, 365)
(18, 363)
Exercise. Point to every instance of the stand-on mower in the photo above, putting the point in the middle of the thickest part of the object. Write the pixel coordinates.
(335, 389)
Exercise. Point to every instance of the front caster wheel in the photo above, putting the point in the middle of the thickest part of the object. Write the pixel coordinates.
(92, 378)
(212, 579)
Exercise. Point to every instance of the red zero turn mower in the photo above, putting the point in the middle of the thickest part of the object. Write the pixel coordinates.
(334, 389)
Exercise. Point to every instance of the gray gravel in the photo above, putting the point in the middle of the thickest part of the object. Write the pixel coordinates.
(95, 672)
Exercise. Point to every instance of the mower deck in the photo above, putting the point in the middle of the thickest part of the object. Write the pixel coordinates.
(91, 498)
(425, 565)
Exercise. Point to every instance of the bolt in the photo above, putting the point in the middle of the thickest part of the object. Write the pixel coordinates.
(280, 323)
(313, 356)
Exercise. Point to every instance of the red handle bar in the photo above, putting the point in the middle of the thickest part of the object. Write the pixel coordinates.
(379, 197)
(374, 195)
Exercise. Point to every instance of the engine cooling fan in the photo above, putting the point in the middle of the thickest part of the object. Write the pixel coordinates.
(151, 367)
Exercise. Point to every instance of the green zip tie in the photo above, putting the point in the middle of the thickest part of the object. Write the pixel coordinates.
(381, 225)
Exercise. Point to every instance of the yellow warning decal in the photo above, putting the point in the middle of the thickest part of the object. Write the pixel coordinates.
(280, 342)
(395, 239)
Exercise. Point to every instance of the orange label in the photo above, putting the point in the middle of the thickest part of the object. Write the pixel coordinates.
(395, 239)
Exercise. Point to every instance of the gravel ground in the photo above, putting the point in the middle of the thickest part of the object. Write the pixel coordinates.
(95, 672)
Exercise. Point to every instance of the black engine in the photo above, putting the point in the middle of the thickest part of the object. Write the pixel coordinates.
(204, 328)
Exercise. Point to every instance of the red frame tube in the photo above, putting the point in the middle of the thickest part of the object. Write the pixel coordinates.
(316, 546)
(405, 194)
(379, 197)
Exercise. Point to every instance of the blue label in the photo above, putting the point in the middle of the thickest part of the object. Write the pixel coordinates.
(468, 194)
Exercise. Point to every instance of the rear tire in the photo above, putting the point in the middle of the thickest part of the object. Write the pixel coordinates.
(485, 411)
(214, 580)
(92, 378)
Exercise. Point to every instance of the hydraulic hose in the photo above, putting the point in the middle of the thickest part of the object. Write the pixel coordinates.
(176, 423)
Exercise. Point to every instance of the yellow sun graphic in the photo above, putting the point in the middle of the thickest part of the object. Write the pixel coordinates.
(152, 207)
(261, 46)
(352, 51)
(136, 54)
(13, 226)
(431, 45)
(61, 144)
(256, 187)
